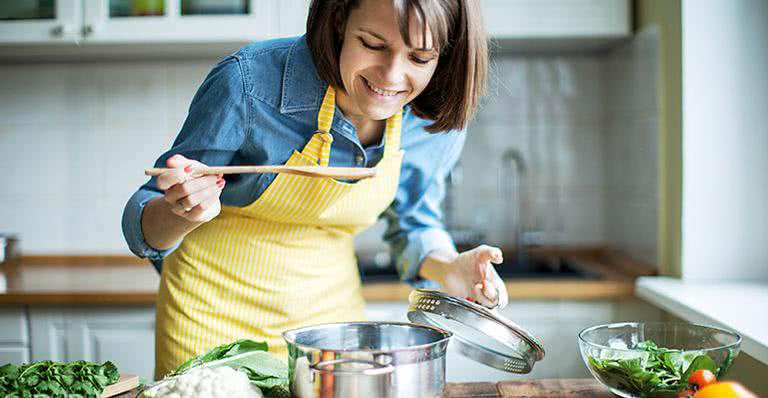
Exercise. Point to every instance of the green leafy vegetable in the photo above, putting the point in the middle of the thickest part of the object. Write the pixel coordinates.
(251, 357)
(56, 379)
(657, 372)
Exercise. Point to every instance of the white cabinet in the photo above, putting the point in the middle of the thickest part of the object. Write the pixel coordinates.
(256, 20)
(548, 20)
(14, 335)
(123, 335)
(14, 355)
(86, 22)
(22, 22)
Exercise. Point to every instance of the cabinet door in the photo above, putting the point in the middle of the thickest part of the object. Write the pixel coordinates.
(179, 21)
(50, 334)
(548, 19)
(44, 21)
(13, 326)
(14, 355)
(123, 335)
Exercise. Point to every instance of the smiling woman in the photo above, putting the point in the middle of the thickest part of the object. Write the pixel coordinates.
(371, 84)
(440, 48)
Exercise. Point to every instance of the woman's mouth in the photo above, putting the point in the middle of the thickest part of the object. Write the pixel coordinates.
(380, 93)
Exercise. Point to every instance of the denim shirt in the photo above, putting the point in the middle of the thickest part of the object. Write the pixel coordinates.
(259, 104)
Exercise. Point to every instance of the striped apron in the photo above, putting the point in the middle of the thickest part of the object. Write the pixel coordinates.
(285, 261)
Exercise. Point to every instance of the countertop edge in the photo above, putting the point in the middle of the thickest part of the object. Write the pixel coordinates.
(657, 291)
(373, 292)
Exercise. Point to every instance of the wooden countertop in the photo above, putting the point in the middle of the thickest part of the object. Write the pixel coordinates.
(124, 280)
(545, 388)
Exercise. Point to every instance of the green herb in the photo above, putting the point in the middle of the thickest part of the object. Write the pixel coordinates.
(250, 357)
(56, 379)
(658, 372)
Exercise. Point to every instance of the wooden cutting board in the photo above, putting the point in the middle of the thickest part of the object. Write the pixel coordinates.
(545, 388)
(125, 384)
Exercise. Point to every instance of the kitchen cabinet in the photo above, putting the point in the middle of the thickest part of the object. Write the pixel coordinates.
(52, 21)
(548, 23)
(123, 335)
(82, 28)
(14, 335)
(179, 22)
(86, 22)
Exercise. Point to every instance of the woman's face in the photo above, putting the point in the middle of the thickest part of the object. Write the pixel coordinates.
(380, 72)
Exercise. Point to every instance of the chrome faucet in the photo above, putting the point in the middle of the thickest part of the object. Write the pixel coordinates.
(514, 197)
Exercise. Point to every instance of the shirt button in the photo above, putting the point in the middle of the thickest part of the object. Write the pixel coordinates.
(359, 159)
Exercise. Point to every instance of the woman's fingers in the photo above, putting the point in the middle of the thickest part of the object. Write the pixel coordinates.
(489, 253)
(180, 191)
(211, 190)
(205, 211)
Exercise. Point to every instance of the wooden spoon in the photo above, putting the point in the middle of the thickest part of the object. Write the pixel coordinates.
(349, 173)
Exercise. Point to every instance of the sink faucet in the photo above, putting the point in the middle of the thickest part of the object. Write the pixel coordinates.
(514, 197)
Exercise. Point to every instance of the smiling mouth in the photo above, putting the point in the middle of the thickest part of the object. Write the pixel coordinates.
(380, 91)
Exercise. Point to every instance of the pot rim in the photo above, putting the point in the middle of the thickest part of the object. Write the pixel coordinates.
(446, 336)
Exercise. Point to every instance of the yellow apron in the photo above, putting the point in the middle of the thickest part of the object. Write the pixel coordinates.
(284, 261)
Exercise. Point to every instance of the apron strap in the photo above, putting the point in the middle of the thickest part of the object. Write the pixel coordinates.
(392, 133)
(319, 146)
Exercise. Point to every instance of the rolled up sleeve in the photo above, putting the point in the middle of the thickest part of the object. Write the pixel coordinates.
(415, 218)
(213, 131)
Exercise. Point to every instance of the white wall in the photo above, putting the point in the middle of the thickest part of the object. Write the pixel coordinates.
(725, 139)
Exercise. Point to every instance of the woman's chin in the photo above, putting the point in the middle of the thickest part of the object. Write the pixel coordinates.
(379, 112)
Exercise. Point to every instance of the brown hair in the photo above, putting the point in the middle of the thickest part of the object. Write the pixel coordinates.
(451, 97)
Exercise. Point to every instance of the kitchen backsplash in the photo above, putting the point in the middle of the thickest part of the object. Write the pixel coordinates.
(77, 136)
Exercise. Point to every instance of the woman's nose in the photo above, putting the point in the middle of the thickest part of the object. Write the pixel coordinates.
(394, 70)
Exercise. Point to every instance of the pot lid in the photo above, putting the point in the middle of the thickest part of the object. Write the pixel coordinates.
(480, 333)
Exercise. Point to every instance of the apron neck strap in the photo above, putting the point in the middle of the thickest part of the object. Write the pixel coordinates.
(319, 146)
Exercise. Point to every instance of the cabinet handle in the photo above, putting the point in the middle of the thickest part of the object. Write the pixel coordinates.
(63, 29)
(90, 30)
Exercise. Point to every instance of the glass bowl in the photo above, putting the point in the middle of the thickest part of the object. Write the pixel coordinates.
(654, 359)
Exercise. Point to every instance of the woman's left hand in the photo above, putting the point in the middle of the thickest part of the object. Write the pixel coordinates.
(473, 276)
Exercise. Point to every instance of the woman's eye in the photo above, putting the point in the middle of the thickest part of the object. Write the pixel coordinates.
(420, 61)
(370, 47)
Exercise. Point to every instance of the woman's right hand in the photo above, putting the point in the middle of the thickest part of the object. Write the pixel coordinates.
(194, 198)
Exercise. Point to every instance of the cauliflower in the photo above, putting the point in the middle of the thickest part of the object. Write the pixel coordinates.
(222, 382)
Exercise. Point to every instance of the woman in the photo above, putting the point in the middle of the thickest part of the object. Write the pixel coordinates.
(385, 84)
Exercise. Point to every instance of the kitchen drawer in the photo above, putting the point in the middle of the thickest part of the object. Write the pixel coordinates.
(14, 355)
(13, 326)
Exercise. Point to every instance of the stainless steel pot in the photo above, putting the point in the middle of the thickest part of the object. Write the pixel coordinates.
(367, 359)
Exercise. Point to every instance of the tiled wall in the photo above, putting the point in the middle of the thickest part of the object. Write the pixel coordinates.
(586, 129)
(76, 138)
(74, 141)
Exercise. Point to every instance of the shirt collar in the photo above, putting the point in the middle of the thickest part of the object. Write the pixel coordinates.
(303, 89)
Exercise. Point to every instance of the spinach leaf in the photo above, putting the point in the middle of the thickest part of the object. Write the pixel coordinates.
(56, 379)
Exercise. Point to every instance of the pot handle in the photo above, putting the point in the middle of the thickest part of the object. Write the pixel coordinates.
(377, 369)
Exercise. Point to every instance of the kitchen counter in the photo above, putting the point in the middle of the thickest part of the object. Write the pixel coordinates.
(734, 305)
(124, 280)
(549, 388)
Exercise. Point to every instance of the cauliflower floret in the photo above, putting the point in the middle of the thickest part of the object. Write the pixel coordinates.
(223, 382)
